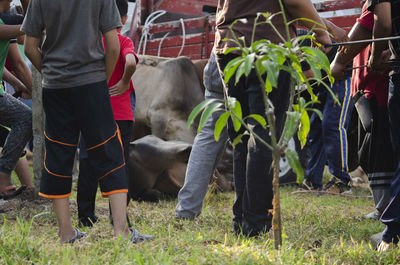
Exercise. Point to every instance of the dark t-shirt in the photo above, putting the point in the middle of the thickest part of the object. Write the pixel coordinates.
(230, 10)
(72, 50)
(395, 12)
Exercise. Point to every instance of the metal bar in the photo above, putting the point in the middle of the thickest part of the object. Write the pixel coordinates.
(362, 41)
(390, 63)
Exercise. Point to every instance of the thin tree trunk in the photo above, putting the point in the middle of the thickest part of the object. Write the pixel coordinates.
(276, 219)
(38, 127)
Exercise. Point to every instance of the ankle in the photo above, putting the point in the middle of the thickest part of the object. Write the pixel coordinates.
(66, 235)
(124, 232)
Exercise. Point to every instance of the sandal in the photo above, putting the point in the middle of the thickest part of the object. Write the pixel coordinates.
(137, 238)
(11, 191)
(78, 235)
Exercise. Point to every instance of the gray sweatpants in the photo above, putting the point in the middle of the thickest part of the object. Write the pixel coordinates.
(202, 161)
(18, 117)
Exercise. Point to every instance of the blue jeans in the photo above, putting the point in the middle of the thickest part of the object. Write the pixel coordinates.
(202, 161)
(327, 137)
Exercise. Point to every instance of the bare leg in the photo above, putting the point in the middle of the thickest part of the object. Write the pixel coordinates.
(118, 208)
(23, 172)
(5, 179)
(61, 208)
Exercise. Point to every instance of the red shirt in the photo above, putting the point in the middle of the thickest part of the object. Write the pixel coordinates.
(121, 104)
(373, 84)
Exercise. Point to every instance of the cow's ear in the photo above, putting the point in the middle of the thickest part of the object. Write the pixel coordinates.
(183, 151)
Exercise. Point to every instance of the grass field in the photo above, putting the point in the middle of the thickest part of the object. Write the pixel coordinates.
(317, 230)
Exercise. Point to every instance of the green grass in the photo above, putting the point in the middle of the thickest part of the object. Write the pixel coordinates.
(317, 230)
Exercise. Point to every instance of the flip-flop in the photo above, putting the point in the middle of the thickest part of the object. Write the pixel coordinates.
(11, 191)
(78, 235)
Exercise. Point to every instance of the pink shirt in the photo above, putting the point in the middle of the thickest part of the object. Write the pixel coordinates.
(372, 83)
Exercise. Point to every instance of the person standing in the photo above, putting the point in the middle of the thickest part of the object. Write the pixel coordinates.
(76, 100)
(205, 151)
(387, 23)
(253, 179)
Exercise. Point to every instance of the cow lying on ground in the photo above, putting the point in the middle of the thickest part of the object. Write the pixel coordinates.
(167, 90)
(158, 167)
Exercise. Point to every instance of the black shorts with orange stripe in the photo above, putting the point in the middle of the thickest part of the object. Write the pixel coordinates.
(87, 110)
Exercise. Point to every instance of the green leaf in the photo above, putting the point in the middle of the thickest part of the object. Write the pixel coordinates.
(268, 86)
(239, 72)
(248, 63)
(295, 164)
(316, 111)
(220, 125)
(231, 67)
(260, 119)
(231, 50)
(209, 110)
(272, 72)
(197, 110)
(237, 140)
(260, 68)
(291, 124)
(237, 110)
(304, 128)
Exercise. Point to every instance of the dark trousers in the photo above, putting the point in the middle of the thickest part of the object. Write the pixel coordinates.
(252, 160)
(87, 186)
(82, 110)
(391, 215)
(376, 154)
(328, 137)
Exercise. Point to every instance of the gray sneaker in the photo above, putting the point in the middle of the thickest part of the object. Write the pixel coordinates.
(375, 215)
(137, 238)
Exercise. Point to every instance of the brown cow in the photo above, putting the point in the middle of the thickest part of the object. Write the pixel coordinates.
(167, 90)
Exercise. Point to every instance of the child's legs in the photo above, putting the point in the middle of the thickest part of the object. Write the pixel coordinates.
(125, 128)
(61, 138)
(104, 146)
(118, 207)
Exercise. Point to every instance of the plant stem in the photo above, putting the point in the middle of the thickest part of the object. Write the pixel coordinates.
(276, 152)
(252, 132)
(285, 21)
(276, 218)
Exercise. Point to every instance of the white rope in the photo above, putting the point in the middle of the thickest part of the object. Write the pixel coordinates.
(162, 40)
(146, 29)
(183, 37)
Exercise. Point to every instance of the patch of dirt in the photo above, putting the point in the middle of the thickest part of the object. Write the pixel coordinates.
(26, 204)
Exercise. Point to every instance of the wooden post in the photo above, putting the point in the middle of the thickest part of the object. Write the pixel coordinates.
(38, 127)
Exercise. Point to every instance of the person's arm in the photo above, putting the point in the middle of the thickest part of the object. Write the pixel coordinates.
(382, 29)
(112, 51)
(19, 66)
(9, 31)
(339, 34)
(338, 65)
(32, 51)
(123, 85)
(16, 83)
(306, 9)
